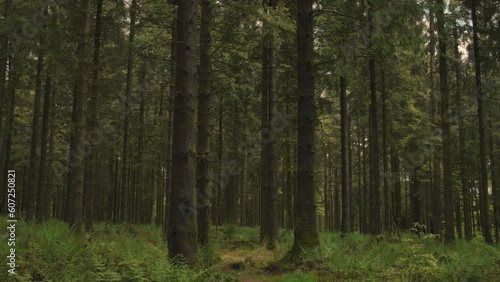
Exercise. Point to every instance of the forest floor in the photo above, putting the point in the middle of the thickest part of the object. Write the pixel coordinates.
(50, 251)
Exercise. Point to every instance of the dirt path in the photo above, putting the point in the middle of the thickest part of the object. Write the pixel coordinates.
(247, 265)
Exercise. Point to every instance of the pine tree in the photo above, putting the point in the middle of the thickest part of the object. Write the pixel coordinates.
(182, 230)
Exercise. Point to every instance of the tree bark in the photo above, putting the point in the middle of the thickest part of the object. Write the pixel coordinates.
(80, 103)
(495, 181)
(306, 227)
(159, 185)
(396, 182)
(269, 167)
(463, 161)
(116, 212)
(202, 184)
(461, 136)
(436, 159)
(264, 153)
(449, 200)
(360, 176)
(68, 190)
(365, 194)
(375, 222)
(483, 190)
(142, 193)
(337, 201)
(344, 151)
(35, 128)
(126, 123)
(57, 203)
(385, 155)
(352, 217)
(171, 101)
(326, 192)
(231, 191)
(92, 162)
(244, 182)
(217, 197)
(182, 229)
(43, 195)
(415, 197)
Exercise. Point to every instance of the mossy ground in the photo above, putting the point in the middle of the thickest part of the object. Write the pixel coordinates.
(51, 252)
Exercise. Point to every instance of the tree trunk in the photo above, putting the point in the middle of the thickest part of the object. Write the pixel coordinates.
(306, 227)
(360, 176)
(436, 160)
(126, 122)
(68, 191)
(476, 203)
(375, 222)
(92, 162)
(495, 181)
(326, 192)
(202, 186)
(462, 150)
(483, 190)
(43, 196)
(344, 149)
(396, 183)
(352, 217)
(415, 197)
(171, 101)
(265, 136)
(116, 212)
(385, 154)
(56, 212)
(365, 194)
(337, 201)
(142, 193)
(34, 158)
(234, 170)
(449, 200)
(79, 113)
(217, 197)
(269, 162)
(458, 110)
(159, 174)
(243, 184)
(182, 229)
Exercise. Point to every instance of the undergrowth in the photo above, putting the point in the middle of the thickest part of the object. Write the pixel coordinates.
(50, 251)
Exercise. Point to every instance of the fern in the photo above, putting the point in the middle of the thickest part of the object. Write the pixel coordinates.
(102, 271)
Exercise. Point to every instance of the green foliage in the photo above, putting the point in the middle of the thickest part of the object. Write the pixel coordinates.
(207, 256)
(472, 261)
(412, 259)
(230, 233)
(52, 252)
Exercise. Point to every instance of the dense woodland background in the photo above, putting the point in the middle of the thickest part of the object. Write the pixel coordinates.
(354, 116)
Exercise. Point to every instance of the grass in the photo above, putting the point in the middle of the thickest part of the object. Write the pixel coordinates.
(51, 252)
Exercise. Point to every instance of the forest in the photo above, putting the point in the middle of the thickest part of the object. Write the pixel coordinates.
(252, 140)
